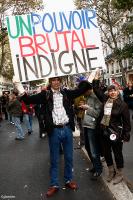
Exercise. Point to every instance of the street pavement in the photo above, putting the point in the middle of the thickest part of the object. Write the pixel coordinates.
(128, 157)
(24, 169)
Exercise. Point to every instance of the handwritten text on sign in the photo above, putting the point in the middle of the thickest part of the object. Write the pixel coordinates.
(54, 44)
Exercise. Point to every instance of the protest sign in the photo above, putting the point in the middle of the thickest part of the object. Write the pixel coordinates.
(54, 44)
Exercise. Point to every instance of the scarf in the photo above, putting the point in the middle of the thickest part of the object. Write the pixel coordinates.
(107, 112)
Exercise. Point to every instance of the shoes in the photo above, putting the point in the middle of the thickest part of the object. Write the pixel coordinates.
(111, 173)
(11, 122)
(51, 191)
(29, 132)
(72, 185)
(118, 177)
(19, 138)
(95, 176)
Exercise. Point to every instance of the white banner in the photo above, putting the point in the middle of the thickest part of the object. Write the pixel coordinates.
(54, 44)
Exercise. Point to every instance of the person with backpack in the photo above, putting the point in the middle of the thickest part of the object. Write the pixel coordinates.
(59, 121)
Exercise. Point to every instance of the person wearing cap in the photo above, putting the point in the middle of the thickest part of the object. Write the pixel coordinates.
(92, 109)
(59, 121)
(114, 116)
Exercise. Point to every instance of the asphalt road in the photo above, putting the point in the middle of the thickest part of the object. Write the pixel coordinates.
(24, 170)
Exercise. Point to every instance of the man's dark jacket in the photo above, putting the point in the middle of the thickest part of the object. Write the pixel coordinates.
(46, 98)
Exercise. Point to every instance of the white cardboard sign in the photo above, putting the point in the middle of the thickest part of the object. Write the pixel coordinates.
(51, 44)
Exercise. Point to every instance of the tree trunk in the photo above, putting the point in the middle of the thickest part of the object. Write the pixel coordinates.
(123, 73)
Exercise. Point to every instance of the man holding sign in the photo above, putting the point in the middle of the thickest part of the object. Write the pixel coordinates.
(45, 45)
(59, 119)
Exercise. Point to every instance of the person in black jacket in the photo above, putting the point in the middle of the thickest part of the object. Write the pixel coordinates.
(59, 124)
(128, 96)
(115, 123)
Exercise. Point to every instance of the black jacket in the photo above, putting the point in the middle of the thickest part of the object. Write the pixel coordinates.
(46, 98)
(127, 97)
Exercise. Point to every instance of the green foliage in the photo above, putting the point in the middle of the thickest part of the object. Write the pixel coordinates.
(16, 7)
(26, 6)
(128, 27)
(122, 4)
(127, 51)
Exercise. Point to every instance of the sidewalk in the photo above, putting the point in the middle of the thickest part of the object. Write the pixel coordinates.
(120, 191)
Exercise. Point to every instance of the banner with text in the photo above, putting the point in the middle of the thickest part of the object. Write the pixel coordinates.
(54, 44)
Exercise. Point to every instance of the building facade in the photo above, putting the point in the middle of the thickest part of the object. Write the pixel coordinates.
(113, 70)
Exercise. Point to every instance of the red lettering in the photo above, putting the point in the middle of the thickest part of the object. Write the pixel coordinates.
(49, 44)
(84, 41)
(38, 44)
(26, 42)
(65, 39)
(75, 38)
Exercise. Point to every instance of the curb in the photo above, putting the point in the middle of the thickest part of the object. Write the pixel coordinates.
(119, 191)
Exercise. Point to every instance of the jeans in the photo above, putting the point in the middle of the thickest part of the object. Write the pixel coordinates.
(20, 133)
(91, 136)
(28, 121)
(60, 136)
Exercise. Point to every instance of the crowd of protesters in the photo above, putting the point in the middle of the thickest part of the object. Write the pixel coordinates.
(101, 113)
(16, 112)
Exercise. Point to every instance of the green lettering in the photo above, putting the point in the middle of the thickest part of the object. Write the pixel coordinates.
(23, 25)
(10, 27)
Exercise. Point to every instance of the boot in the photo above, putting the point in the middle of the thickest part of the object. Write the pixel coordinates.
(118, 176)
(111, 173)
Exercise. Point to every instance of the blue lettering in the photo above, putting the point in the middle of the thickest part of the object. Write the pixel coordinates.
(68, 22)
(83, 19)
(35, 19)
(88, 19)
(47, 25)
(56, 22)
(76, 18)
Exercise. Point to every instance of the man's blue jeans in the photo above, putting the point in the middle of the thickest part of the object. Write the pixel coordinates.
(60, 136)
(94, 149)
(20, 132)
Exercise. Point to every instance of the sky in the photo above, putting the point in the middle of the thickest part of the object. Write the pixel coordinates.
(54, 5)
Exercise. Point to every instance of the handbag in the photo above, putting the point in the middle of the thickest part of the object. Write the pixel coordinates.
(112, 135)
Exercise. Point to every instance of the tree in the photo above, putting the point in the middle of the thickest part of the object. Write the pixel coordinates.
(108, 20)
(127, 28)
(85, 3)
(123, 4)
(16, 7)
